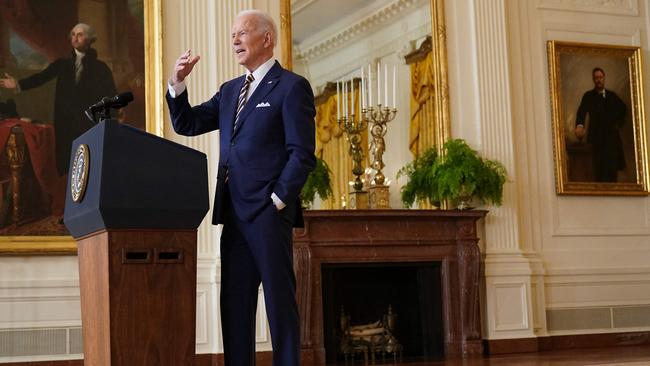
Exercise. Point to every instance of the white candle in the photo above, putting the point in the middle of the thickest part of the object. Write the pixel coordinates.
(378, 84)
(360, 87)
(362, 91)
(394, 86)
(386, 85)
(353, 109)
(369, 86)
(338, 100)
(345, 99)
(360, 102)
(342, 102)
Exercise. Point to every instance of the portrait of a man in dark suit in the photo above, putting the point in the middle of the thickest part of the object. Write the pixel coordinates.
(606, 112)
(594, 92)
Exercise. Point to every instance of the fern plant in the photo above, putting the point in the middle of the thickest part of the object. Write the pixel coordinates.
(458, 175)
(318, 182)
(463, 174)
(420, 175)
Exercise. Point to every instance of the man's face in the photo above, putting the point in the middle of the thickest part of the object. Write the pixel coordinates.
(599, 79)
(79, 39)
(252, 47)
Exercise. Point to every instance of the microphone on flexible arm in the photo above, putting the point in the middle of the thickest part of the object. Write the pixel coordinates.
(106, 103)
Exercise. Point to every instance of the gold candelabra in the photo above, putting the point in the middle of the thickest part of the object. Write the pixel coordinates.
(379, 117)
(353, 129)
(367, 113)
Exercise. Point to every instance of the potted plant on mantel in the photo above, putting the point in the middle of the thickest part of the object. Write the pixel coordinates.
(318, 182)
(457, 176)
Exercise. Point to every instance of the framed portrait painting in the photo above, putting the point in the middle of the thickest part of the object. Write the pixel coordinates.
(598, 119)
(57, 58)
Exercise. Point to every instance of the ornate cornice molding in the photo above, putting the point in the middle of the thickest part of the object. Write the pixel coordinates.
(333, 41)
(385, 48)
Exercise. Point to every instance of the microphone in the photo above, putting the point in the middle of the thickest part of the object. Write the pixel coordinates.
(118, 101)
(103, 106)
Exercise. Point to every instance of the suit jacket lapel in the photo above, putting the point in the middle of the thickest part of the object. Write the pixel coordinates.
(270, 80)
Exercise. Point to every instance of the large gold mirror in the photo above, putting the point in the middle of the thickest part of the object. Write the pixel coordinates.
(332, 39)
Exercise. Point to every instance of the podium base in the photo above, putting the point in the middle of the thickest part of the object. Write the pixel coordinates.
(138, 297)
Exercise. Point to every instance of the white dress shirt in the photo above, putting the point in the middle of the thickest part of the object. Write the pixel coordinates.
(258, 75)
(78, 66)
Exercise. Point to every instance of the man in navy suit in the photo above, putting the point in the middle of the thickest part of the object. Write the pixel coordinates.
(267, 141)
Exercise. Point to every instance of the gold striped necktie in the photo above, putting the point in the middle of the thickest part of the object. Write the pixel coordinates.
(242, 97)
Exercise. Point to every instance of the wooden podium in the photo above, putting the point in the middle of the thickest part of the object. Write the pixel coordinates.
(133, 204)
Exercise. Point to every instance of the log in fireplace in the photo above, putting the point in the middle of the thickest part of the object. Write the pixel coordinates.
(378, 311)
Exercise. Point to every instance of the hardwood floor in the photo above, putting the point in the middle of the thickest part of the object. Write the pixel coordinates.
(619, 356)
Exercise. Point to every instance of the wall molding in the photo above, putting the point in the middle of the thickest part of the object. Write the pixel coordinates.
(39, 284)
(514, 289)
(202, 318)
(609, 7)
(568, 288)
(596, 271)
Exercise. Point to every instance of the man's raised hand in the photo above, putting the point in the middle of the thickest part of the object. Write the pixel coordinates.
(183, 67)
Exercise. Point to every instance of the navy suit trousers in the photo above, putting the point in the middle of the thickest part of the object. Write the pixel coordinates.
(254, 252)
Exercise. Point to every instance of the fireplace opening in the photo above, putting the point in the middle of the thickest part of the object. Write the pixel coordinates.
(378, 311)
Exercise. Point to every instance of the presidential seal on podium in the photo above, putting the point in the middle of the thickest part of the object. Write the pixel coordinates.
(79, 173)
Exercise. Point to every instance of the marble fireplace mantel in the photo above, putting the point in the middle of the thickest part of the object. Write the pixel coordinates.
(384, 236)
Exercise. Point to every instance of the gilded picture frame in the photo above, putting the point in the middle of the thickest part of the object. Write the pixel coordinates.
(598, 119)
(151, 11)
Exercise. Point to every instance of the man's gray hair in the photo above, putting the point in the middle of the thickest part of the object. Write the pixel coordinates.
(264, 23)
(88, 30)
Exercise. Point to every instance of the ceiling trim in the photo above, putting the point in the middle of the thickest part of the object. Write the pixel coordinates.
(299, 5)
(337, 39)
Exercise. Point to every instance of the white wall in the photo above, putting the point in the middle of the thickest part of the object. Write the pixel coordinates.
(595, 249)
(40, 314)
(561, 265)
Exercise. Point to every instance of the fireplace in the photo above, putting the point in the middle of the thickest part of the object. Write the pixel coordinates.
(361, 294)
(403, 239)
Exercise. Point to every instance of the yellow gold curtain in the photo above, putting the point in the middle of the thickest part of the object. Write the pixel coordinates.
(422, 129)
(422, 134)
(333, 147)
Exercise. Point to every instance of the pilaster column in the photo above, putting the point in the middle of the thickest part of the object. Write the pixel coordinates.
(513, 274)
(204, 27)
